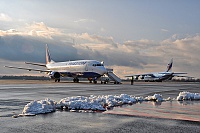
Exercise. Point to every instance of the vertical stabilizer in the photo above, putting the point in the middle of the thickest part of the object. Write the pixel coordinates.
(48, 58)
(169, 66)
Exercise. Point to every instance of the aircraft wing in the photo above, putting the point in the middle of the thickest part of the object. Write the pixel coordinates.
(174, 74)
(132, 75)
(144, 74)
(136, 76)
(36, 64)
(179, 73)
(28, 69)
(184, 76)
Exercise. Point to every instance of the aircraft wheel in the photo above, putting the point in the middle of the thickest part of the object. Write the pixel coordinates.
(95, 81)
(76, 80)
(55, 80)
(58, 80)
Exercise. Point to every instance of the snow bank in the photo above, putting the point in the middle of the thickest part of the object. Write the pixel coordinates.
(100, 103)
(95, 102)
(81, 102)
(39, 107)
(188, 96)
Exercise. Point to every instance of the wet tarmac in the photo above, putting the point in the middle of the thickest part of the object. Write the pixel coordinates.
(169, 116)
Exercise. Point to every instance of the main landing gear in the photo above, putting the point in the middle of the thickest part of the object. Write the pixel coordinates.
(92, 80)
(76, 80)
(57, 80)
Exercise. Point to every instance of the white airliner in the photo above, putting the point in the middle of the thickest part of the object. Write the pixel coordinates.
(158, 76)
(90, 69)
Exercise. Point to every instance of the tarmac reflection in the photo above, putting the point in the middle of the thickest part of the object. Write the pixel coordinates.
(185, 110)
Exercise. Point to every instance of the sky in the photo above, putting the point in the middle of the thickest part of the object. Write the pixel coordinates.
(130, 36)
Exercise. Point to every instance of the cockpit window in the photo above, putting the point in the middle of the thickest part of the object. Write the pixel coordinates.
(97, 65)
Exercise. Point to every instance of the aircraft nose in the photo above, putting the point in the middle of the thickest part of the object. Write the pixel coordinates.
(104, 71)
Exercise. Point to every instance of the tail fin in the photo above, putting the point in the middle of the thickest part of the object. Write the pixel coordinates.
(48, 58)
(169, 66)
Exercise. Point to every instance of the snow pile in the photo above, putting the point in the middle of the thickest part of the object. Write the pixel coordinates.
(95, 102)
(155, 97)
(188, 96)
(81, 102)
(39, 107)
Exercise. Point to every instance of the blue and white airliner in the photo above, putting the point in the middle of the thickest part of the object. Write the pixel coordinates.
(90, 69)
(158, 76)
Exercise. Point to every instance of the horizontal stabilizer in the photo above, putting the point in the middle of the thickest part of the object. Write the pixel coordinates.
(180, 73)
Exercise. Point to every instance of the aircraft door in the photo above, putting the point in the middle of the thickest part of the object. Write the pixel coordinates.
(86, 67)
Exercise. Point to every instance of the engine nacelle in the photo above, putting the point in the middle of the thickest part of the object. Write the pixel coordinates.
(54, 75)
(142, 77)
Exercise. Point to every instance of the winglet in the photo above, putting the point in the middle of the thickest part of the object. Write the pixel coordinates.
(48, 58)
(169, 66)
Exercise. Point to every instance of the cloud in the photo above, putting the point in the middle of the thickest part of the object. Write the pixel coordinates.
(95, 39)
(102, 29)
(141, 56)
(4, 17)
(8, 32)
(141, 46)
(28, 44)
(41, 30)
(186, 47)
(36, 29)
(29, 48)
(104, 48)
(164, 30)
(84, 20)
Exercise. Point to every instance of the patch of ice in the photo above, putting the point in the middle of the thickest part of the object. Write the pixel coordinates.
(188, 96)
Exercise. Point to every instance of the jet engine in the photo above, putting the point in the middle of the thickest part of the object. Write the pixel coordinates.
(54, 75)
(142, 77)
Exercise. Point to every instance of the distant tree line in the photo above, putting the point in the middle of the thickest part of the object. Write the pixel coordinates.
(24, 77)
(186, 80)
(173, 80)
